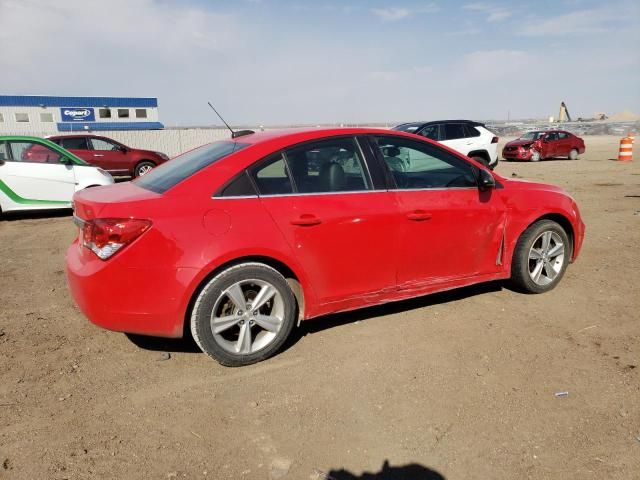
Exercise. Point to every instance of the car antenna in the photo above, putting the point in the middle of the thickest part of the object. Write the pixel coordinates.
(237, 134)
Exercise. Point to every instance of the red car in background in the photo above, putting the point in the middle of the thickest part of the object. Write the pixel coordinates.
(240, 240)
(538, 145)
(110, 155)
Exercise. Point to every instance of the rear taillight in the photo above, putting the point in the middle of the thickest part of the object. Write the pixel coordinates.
(494, 140)
(105, 236)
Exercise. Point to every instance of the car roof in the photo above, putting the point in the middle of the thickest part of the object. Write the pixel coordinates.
(74, 135)
(294, 135)
(433, 122)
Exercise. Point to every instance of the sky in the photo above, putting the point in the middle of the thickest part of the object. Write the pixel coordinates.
(277, 62)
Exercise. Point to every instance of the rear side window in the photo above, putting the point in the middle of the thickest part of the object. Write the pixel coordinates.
(453, 131)
(471, 131)
(79, 143)
(431, 131)
(272, 176)
(334, 165)
(240, 186)
(169, 174)
(562, 136)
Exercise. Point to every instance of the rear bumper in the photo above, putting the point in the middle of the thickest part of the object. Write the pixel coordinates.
(115, 296)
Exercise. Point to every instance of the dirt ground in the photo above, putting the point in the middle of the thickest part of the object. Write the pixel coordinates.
(458, 386)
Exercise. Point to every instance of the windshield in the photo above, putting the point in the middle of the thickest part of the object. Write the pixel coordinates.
(531, 135)
(169, 174)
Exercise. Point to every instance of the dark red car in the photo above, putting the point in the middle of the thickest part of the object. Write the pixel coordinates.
(112, 156)
(240, 240)
(534, 146)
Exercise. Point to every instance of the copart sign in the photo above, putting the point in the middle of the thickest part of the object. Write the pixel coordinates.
(72, 114)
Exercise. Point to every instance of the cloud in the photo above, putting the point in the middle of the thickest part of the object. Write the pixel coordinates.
(494, 13)
(578, 22)
(393, 14)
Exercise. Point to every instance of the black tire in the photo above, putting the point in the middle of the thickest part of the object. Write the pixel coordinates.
(210, 300)
(143, 167)
(521, 264)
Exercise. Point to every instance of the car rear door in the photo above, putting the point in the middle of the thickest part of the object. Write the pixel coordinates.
(448, 229)
(455, 136)
(31, 180)
(340, 226)
(563, 144)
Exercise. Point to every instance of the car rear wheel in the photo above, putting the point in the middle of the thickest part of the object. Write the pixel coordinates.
(243, 315)
(540, 257)
(143, 168)
(573, 154)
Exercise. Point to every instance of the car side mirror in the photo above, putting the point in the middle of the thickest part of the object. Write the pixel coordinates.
(65, 161)
(486, 180)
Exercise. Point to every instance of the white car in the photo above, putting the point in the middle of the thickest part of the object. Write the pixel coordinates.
(36, 174)
(470, 138)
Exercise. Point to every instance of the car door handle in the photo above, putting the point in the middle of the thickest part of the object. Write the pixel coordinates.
(306, 220)
(419, 216)
(98, 155)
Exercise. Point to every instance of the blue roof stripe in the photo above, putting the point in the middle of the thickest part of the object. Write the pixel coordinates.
(50, 101)
(93, 126)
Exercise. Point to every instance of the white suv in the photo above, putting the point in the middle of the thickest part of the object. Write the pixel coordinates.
(465, 136)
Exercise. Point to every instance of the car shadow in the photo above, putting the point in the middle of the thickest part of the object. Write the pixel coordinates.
(36, 214)
(412, 471)
(188, 345)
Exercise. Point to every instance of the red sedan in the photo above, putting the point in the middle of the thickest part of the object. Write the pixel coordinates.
(535, 146)
(240, 240)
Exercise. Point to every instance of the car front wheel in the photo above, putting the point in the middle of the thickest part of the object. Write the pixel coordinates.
(573, 154)
(540, 257)
(243, 315)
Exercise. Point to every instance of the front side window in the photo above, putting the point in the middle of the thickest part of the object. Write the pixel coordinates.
(99, 144)
(32, 152)
(46, 117)
(123, 113)
(76, 143)
(454, 131)
(22, 117)
(431, 131)
(334, 165)
(417, 165)
(4, 152)
(169, 174)
(551, 137)
(272, 176)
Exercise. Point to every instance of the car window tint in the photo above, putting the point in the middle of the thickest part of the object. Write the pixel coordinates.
(241, 186)
(471, 131)
(551, 137)
(418, 165)
(79, 143)
(562, 136)
(431, 131)
(103, 145)
(4, 152)
(333, 165)
(169, 174)
(272, 177)
(33, 153)
(453, 131)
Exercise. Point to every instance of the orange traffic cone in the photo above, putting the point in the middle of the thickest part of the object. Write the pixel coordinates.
(625, 154)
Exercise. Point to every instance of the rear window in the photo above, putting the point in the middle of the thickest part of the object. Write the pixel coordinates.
(169, 174)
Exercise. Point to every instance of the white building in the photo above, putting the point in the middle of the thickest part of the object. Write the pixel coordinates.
(38, 114)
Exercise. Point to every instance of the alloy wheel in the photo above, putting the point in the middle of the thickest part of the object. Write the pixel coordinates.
(546, 258)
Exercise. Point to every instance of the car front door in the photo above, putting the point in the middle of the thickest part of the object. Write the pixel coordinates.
(448, 228)
(550, 145)
(337, 223)
(110, 156)
(78, 146)
(34, 174)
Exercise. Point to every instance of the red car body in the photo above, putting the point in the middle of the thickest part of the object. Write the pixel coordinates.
(110, 155)
(544, 144)
(344, 250)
